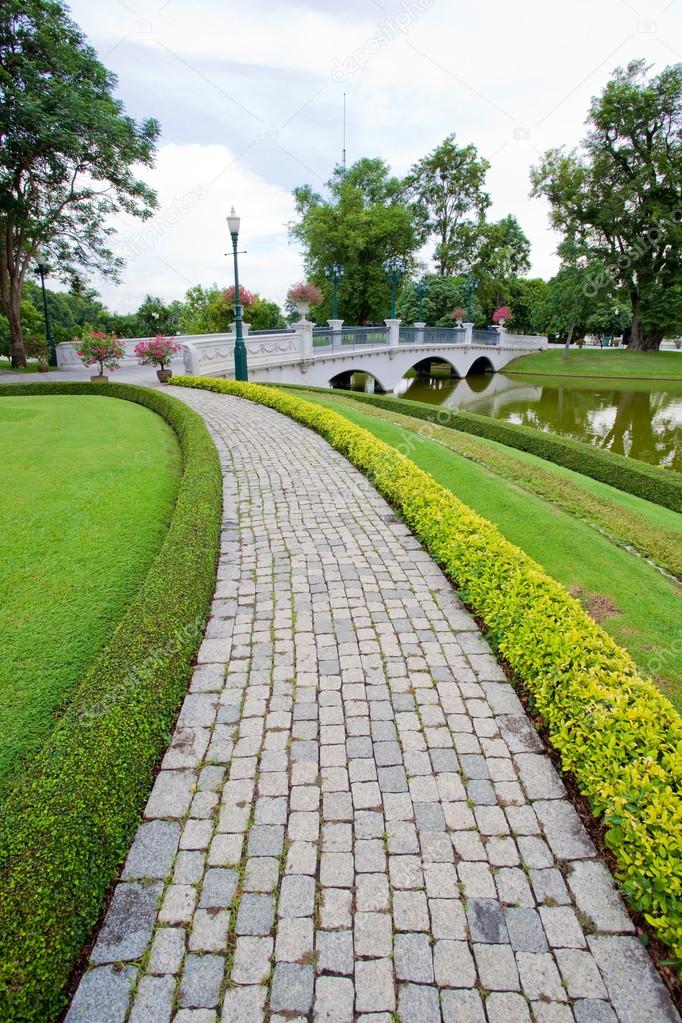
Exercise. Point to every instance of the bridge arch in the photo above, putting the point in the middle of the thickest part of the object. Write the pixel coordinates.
(425, 366)
(343, 380)
(480, 365)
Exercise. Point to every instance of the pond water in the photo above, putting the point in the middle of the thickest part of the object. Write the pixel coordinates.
(638, 419)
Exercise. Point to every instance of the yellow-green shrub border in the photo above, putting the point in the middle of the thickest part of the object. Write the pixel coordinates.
(613, 729)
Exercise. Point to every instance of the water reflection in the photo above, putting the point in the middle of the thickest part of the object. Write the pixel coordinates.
(638, 419)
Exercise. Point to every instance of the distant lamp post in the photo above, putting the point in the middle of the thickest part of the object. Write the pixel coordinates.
(472, 284)
(334, 273)
(421, 287)
(394, 268)
(43, 270)
(241, 369)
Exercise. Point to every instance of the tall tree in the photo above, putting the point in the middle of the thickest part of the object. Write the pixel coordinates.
(447, 186)
(620, 196)
(67, 153)
(500, 254)
(365, 220)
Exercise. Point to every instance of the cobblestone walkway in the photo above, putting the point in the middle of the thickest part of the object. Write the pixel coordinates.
(355, 819)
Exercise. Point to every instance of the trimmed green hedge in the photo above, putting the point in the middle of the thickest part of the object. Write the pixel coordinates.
(614, 730)
(662, 486)
(66, 828)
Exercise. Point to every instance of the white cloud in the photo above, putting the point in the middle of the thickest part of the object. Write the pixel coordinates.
(224, 78)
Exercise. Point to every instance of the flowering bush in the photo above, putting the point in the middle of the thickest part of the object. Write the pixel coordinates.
(305, 293)
(100, 349)
(502, 314)
(158, 352)
(457, 314)
(247, 297)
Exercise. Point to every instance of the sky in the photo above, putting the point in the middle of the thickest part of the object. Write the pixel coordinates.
(249, 96)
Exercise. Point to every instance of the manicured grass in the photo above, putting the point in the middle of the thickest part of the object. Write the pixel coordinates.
(597, 362)
(648, 605)
(67, 823)
(86, 494)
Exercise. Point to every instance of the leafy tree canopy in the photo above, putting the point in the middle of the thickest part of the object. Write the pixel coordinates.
(68, 154)
(619, 197)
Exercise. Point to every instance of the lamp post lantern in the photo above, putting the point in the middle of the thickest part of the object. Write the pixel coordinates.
(334, 273)
(241, 369)
(472, 284)
(394, 268)
(43, 270)
(421, 287)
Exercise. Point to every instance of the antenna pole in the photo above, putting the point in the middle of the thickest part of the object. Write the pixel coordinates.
(343, 157)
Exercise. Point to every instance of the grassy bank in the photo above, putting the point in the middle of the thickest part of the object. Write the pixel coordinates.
(634, 603)
(86, 494)
(598, 362)
(68, 821)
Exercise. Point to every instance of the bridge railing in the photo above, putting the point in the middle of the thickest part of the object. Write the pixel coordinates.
(485, 337)
(349, 339)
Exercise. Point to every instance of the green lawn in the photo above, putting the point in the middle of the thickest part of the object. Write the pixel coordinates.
(601, 362)
(87, 490)
(643, 608)
(6, 367)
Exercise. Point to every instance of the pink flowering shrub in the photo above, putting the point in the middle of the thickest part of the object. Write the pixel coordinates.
(100, 349)
(247, 297)
(457, 314)
(305, 292)
(157, 352)
(503, 313)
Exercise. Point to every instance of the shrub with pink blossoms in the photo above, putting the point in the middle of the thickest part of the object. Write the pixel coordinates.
(502, 314)
(157, 352)
(305, 293)
(247, 297)
(100, 349)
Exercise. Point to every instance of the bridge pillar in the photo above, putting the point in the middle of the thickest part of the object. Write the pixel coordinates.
(246, 327)
(335, 327)
(419, 333)
(468, 333)
(304, 329)
(393, 332)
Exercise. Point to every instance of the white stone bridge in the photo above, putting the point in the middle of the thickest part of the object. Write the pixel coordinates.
(330, 356)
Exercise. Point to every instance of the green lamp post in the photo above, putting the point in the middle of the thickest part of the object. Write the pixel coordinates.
(394, 268)
(334, 273)
(43, 270)
(421, 287)
(241, 369)
(472, 284)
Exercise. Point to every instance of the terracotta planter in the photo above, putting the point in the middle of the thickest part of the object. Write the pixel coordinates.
(99, 379)
(43, 367)
(164, 375)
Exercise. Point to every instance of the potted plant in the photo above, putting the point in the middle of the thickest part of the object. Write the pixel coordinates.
(158, 352)
(303, 295)
(501, 315)
(97, 348)
(458, 315)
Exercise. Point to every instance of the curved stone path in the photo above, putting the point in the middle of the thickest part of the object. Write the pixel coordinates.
(355, 819)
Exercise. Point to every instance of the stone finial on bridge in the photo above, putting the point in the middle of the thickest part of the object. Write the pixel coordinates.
(468, 333)
(393, 332)
(246, 327)
(419, 332)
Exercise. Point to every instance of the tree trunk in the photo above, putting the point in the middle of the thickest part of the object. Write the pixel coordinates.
(640, 342)
(13, 313)
(569, 337)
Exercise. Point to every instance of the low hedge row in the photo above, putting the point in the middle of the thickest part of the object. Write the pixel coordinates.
(662, 486)
(614, 730)
(66, 828)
